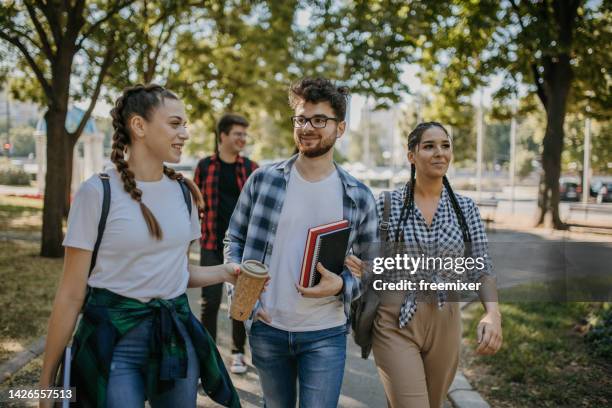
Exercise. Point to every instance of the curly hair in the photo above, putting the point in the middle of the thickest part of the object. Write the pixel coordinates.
(317, 90)
(141, 100)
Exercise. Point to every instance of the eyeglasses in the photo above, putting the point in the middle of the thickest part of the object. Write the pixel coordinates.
(318, 122)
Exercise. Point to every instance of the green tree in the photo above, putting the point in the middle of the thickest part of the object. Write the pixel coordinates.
(154, 26)
(601, 145)
(459, 121)
(544, 45)
(497, 146)
(529, 135)
(50, 38)
(239, 58)
(22, 139)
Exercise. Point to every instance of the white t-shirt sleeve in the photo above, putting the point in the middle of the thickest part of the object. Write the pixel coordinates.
(84, 217)
(196, 231)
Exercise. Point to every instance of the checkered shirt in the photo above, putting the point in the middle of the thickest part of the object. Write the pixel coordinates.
(442, 239)
(206, 177)
(254, 223)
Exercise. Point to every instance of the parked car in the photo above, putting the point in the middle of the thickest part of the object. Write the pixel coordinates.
(604, 194)
(595, 187)
(569, 189)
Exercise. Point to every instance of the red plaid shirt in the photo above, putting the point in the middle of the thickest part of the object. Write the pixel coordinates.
(206, 177)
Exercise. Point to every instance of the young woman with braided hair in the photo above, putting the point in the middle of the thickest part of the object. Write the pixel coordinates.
(416, 341)
(137, 338)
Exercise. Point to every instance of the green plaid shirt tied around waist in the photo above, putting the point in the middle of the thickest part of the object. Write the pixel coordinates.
(108, 316)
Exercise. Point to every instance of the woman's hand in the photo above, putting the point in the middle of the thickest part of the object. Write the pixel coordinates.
(355, 265)
(489, 333)
(230, 272)
(66, 307)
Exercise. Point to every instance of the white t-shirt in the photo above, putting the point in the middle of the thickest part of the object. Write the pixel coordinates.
(306, 205)
(130, 261)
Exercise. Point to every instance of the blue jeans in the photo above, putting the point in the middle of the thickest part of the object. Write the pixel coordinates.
(126, 381)
(313, 359)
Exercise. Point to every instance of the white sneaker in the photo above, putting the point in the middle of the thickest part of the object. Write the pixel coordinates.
(238, 364)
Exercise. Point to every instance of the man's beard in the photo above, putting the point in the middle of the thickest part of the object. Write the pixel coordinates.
(318, 151)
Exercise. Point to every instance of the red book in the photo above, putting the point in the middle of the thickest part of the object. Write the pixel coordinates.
(314, 241)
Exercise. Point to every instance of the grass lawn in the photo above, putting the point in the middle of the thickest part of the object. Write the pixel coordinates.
(27, 377)
(28, 281)
(544, 362)
(28, 287)
(20, 214)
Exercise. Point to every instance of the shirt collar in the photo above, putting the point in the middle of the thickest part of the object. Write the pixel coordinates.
(347, 180)
(239, 158)
(443, 195)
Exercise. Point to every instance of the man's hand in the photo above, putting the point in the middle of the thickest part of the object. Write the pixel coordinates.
(355, 265)
(489, 334)
(329, 285)
(261, 314)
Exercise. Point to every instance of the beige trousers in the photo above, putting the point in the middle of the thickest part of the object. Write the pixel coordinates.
(417, 364)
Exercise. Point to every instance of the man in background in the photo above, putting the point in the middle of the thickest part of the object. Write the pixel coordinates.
(220, 177)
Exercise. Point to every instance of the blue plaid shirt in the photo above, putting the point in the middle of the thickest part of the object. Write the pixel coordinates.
(254, 223)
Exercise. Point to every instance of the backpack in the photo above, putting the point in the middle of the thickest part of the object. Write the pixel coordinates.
(364, 309)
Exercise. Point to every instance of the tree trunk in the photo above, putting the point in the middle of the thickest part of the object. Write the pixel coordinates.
(57, 145)
(557, 84)
(553, 89)
(55, 183)
(69, 170)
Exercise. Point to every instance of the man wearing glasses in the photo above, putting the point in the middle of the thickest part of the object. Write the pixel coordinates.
(220, 177)
(298, 335)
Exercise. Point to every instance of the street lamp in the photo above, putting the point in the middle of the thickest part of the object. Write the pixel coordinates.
(586, 166)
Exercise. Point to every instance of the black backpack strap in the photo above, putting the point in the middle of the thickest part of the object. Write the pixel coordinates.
(103, 216)
(186, 194)
(384, 225)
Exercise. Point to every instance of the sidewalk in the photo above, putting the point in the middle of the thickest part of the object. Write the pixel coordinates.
(18, 190)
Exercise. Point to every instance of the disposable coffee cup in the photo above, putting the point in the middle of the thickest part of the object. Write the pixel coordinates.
(249, 285)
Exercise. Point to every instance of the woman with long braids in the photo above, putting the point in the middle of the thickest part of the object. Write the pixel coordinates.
(416, 336)
(137, 338)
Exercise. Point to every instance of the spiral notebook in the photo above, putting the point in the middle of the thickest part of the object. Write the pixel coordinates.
(326, 244)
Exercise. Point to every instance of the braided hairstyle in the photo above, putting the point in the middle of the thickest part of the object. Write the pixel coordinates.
(414, 138)
(141, 100)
